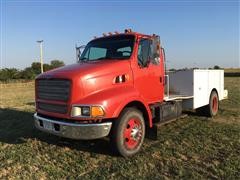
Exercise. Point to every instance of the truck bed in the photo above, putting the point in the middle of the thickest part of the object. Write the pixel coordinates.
(194, 86)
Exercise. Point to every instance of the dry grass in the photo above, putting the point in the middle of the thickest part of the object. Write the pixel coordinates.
(194, 147)
(233, 70)
(18, 95)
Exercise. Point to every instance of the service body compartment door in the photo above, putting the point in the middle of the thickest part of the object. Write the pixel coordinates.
(200, 86)
(204, 82)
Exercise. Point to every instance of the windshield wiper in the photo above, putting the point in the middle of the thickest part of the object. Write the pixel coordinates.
(83, 59)
(111, 58)
(103, 58)
(120, 57)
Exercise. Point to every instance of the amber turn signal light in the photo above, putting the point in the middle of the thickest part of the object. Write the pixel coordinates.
(97, 111)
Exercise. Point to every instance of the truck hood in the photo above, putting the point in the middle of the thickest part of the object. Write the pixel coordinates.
(95, 68)
(89, 77)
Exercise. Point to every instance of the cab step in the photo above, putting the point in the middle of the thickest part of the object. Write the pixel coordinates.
(151, 133)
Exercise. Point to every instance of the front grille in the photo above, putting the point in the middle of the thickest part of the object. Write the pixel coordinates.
(52, 107)
(53, 89)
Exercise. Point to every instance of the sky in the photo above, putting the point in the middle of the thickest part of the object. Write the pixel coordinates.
(194, 33)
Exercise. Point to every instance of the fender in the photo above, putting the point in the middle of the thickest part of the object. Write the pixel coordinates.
(114, 100)
(134, 99)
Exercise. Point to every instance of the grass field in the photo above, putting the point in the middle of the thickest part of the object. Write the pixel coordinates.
(194, 147)
(232, 70)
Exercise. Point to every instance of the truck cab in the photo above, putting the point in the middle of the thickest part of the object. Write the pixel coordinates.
(115, 89)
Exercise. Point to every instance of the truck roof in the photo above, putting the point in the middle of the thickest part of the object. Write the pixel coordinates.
(122, 34)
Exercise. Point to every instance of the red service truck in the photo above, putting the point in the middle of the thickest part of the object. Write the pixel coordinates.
(120, 88)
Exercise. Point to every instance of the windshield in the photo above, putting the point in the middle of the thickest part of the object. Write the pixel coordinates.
(113, 47)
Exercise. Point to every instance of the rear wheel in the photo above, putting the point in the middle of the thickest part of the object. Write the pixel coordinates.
(128, 132)
(213, 106)
(211, 109)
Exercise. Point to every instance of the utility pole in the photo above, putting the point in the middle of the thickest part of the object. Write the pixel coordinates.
(41, 54)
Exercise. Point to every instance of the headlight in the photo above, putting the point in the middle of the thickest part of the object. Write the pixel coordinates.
(76, 111)
(87, 111)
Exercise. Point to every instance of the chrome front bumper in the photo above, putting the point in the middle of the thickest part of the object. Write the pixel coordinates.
(72, 130)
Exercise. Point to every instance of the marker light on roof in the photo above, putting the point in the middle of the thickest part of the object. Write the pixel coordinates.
(128, 30)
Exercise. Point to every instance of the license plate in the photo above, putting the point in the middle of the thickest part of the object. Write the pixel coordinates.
(47, 125)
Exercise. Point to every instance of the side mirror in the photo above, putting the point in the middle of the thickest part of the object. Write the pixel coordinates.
(79, 52)
(156, 50)
(156, 56)
(156, 60)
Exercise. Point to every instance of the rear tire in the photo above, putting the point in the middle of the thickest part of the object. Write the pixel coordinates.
(211, 109)
(128, 132)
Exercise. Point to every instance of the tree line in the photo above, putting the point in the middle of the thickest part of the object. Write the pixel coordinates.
(28, 73)
(214, 67)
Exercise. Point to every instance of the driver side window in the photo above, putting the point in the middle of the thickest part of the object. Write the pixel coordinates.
(144, 52)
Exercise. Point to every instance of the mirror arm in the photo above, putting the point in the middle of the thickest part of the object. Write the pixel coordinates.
(78, 52)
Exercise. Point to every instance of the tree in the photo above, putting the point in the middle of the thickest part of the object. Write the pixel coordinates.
(172, 69)
(216, 67)
(56, 63)
(28, 73)
(36, 67)
(3, 75)
(8, 73)
(47, 67)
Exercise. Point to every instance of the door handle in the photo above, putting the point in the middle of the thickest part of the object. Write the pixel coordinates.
(160, 79)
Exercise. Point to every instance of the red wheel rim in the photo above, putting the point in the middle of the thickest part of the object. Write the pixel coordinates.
(214, 104)
(132, 133)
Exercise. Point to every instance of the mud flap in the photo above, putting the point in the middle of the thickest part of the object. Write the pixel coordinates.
(151, 133)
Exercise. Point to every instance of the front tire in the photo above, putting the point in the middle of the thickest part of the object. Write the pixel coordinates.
(128, 132)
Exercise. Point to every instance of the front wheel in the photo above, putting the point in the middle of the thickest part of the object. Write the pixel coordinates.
(128, 132)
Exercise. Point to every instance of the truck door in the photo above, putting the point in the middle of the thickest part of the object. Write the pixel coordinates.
(148, 75)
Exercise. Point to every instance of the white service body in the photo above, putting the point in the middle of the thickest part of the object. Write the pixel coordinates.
(194, 86)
